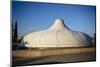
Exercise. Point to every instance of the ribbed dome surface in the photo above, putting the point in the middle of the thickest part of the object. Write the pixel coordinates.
(58, 35)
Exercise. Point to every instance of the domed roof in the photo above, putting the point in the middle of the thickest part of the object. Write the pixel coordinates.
(58, 35)
(58, 25)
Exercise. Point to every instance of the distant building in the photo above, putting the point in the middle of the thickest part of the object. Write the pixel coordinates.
(19, 39)
(58, 35)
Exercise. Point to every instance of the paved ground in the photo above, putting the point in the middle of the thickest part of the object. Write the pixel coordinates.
(63, 58)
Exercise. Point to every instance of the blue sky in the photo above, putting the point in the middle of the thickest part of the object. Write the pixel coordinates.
(34, 16)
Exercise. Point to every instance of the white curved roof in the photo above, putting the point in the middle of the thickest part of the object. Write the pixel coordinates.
(58, 35)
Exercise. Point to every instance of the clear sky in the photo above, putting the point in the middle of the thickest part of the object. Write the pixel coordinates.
(34, 16)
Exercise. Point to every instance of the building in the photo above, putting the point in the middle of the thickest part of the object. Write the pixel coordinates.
(58, 35)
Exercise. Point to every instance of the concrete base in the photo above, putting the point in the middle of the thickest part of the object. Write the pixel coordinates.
(34, 56)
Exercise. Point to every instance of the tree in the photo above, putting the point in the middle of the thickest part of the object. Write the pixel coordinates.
(12, 28)
(15, 32)
(95, 39)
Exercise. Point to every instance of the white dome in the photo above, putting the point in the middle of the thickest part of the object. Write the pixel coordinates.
(58, 35)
